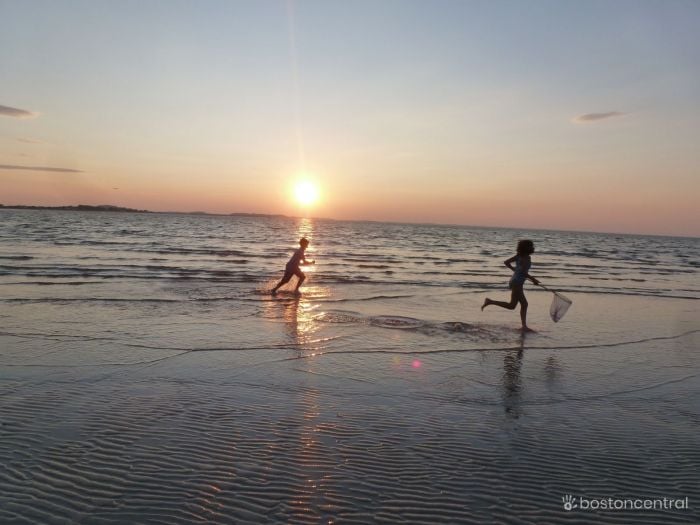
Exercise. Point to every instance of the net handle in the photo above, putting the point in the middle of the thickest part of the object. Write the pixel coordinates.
(555, 292)
(548, 289)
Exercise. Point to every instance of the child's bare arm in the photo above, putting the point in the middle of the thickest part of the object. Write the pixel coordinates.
(509, 262)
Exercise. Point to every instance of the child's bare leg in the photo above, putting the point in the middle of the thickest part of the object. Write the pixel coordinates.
(284, 280)
(514, 298)
(519, 297)
(523, 311)
(302, 278)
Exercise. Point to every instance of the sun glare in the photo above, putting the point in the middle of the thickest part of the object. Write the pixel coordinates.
(306, 193)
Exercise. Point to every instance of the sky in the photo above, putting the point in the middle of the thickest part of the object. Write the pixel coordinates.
(528, 113)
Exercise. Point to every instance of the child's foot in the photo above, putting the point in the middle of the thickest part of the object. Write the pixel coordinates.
(297, 293)
(527, 329)
(487, 302)
(273, 292)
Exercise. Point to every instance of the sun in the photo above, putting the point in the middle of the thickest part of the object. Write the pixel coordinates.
(305, 193)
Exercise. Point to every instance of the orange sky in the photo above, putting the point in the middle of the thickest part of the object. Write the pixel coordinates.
(421, 116)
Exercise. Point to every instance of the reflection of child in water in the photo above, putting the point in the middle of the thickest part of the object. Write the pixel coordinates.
(520, 274)
(292, 267)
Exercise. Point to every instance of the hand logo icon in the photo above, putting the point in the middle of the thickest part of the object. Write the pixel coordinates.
(568, 501)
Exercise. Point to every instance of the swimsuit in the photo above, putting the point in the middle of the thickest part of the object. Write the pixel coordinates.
(522, 266)
(293, 263)
(292, 267)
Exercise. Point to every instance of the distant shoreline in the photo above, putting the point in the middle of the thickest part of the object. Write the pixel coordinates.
(121, 209)
(79, 207)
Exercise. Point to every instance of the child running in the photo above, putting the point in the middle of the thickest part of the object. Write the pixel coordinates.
(520, 274)
(293, 267)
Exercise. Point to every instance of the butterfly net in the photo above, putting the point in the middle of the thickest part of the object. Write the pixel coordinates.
(560, 305)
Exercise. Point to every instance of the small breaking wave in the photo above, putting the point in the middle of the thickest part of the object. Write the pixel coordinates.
(396, 322)
(340, 316)
(382, 321)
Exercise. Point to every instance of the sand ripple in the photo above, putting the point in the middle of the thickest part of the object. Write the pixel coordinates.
(301, 445)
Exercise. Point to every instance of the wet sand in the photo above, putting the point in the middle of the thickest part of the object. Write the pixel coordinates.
(243, 437)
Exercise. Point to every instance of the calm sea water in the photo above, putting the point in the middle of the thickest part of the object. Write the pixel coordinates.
(54, 247)
(202, 281)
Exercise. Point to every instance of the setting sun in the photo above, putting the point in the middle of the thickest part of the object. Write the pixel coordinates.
(305, 193)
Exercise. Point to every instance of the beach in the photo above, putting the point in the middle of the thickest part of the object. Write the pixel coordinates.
(148, 376)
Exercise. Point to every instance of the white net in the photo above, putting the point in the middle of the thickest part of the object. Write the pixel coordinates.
(560, 305)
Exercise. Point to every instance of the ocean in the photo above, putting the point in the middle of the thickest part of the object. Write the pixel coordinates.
(149, 375)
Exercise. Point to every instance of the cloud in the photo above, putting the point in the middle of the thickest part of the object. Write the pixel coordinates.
(28, 141)
(38, 168)
(592, 117)
(7, 111)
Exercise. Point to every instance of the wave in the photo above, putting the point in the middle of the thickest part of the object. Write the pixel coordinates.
(364, 299)
(396, 322)
(199, 251)
(244, 272)
(50, 283)
(37, 300)
(430, 328)
(340, 316)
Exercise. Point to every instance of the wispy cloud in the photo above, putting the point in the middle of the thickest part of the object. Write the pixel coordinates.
(7, 111)
(592, 117)
(38, 168)
(29, 141)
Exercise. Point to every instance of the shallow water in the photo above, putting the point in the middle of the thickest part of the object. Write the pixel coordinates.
(148, 375)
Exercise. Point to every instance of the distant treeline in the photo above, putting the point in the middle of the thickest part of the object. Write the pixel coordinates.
(109, 207)
(79, 207)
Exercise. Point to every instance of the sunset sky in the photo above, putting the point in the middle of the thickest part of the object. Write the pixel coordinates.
(544, 114)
